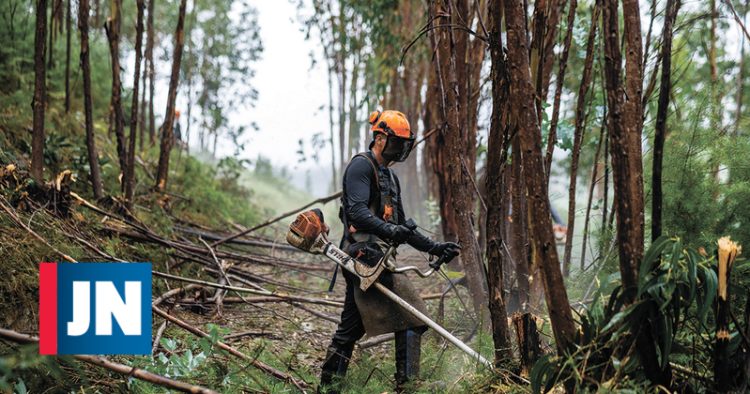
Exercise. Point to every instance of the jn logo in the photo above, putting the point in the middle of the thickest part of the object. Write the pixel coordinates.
(95, 308)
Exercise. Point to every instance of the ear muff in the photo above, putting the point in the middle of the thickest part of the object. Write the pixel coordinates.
(374, 116)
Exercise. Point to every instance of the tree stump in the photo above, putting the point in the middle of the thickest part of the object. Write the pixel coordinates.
(527, 337)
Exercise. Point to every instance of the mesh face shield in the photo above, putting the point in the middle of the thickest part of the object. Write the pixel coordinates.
(397, 148)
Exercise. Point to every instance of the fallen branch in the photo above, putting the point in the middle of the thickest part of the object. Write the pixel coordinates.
(233, 351)
(250, 333)
(199, 251)
(18, 221)
(116, 367)
(171, 293)
(245, 242)
(280, 297)
(375, 341)
(157, 337)
(269, 222)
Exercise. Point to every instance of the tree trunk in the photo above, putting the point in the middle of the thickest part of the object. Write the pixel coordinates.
(50, 46)
(497, 155)
(579, 132)
(151, 72)
(594, 180)
(715, 121)
(97, 13)
(741, 75)
(112, 28)
(723, 363)
(334, 179)
(519, 245)
(458, 201)
(144, 108)
(167, 138)
(554, 13)
(67, 56)
(129, 180)
(431, 121)
(540, 221)
(342, 55)
(660, 132)
(552, 137)
(40, 92)
(625, 123)
(83, 26)
(527, 337)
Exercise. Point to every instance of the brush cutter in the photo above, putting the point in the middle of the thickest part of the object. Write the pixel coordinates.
(309, 233)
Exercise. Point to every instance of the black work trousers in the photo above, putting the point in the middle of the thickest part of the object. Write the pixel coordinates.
(351, 329)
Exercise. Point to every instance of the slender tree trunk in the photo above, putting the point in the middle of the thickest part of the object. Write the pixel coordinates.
(625, 123)
(50, 45)
(151, 72)
(552, 137)
(741, 76)
(67, 56)
(661, 117)
(334, 180)
(40, 92)
(112, 28)
(144, 108)
(441, 48)
(497, 155)
(594, 180)
(459, 200)
(353, 104)
(167, 138)
(97, 13)
(540, 221)
(554, 13)
(536, 50)
(431, 121)
(713, 68)
(83, 25)
(519, 228)
(580, 120)
(130, 169)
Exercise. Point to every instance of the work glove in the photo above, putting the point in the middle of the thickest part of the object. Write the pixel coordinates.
(447, 249)
(396, 233)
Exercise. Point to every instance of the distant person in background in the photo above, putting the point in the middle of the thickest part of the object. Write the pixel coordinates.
(558, 226)
(177, 130)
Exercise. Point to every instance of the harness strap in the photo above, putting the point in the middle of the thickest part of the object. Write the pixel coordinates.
(345, 221)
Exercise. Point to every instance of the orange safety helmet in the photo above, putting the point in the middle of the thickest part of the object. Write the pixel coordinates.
(399, 138)
(390, 122)
(177, 113)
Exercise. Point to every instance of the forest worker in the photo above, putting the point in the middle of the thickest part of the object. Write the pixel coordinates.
(373, 217)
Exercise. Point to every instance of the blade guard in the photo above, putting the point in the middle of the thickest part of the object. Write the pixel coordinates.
(308, 232)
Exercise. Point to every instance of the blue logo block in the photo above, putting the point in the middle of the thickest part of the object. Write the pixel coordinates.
(95, 308)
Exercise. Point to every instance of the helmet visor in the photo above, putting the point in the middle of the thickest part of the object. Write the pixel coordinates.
(397, 148)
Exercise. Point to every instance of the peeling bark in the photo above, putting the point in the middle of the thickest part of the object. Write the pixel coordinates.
(540, 221)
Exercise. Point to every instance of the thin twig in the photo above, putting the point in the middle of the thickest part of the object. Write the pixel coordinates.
(16, 219)
(737, 17)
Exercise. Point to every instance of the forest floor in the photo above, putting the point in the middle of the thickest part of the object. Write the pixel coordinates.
(288, 330)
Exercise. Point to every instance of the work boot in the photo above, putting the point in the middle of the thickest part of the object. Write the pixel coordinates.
(334, 368)
(408, 349)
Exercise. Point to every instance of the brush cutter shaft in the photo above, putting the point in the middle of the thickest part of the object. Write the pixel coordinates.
(346, 262)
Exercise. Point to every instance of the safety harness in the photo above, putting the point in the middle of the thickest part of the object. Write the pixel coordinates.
(384, 208)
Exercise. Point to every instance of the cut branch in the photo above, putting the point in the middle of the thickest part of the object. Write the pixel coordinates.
(117, 367)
